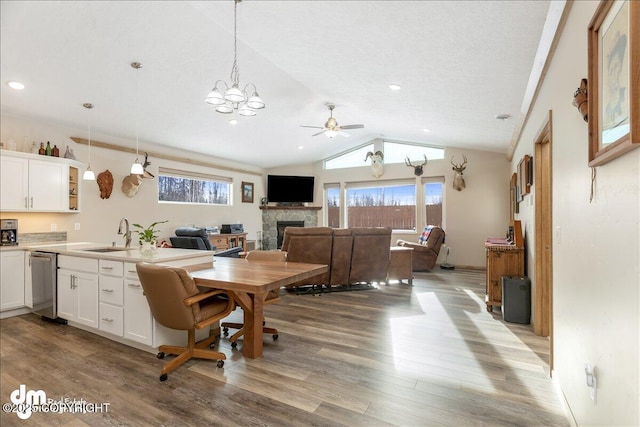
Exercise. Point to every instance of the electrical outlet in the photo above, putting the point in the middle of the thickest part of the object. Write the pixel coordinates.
(76, 226)
(54, 227)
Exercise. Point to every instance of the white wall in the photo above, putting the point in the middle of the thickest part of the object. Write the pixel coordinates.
(596, 250)
(99, 218)
(479, 211)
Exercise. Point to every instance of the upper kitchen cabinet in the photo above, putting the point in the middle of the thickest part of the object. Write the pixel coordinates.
(33, 183)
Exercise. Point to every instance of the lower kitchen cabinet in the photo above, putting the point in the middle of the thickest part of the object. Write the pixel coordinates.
(138, 322)
(78, 290)
(12, 274)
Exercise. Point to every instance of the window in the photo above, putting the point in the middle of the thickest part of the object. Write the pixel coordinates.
(391, 205)
(187, 187)
(350, 159)
(433, 201)
(333, 205)
(395, 152)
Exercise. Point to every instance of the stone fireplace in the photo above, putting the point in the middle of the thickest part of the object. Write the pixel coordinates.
(281, 225)
(272, 215)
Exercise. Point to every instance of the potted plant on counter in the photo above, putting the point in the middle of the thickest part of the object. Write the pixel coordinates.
(148, 236)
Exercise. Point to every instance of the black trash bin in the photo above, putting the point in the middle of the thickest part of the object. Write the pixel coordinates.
(516, 299)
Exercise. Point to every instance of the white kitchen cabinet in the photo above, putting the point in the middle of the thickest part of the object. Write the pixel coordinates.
(138, 322)
(12, 273)
(111, 297)
(32, 183)
(78, 290)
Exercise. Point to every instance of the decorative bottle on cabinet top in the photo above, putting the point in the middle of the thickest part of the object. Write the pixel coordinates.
(55, 151)
(47, 149)
(42, 151)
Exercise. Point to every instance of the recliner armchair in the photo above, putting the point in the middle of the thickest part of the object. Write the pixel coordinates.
(191, 238)
(426, 250)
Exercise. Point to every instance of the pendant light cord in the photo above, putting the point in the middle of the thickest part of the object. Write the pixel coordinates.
(235, 72)
(137, 108)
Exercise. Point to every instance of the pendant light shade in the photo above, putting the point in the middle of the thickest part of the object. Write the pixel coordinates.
(136, 168)
(88, 174)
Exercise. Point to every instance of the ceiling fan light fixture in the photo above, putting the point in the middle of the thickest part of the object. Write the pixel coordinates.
(331, 133)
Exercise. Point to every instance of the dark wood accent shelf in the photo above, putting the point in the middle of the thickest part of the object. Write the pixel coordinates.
(280, 208)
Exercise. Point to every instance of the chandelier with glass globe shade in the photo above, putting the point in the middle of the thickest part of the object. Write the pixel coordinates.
(233, 97)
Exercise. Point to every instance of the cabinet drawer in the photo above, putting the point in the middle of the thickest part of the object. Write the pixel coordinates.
(111, 319)
(111, 290)
(130, 270)
(88, 265)
(219, 242)
(112, 268)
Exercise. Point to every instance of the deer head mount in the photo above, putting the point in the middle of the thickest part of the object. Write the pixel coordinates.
(418, 170)
(376, 163)
(131, 183)
(458, 168)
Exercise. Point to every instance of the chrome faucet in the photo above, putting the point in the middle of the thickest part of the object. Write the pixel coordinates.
(127, 233)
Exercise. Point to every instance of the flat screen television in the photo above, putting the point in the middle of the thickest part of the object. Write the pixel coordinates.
(289, 189)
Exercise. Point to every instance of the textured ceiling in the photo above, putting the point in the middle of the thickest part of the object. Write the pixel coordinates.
(459, 64)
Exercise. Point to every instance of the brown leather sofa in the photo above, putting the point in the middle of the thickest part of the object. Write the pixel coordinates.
(354, 255)
(425, 254)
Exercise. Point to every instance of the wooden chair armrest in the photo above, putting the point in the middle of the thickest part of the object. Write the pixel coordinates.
(204, 295)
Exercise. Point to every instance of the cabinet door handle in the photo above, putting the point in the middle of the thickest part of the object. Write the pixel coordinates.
(106, 319)
(31, 202)
(107, 290)
(26, 203)
(133, 285)
(107, 268)
(132, 271)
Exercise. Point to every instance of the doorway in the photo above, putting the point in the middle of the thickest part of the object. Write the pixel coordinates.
(543, 301)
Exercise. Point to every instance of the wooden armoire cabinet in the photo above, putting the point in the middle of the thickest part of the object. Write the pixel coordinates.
(504, 258)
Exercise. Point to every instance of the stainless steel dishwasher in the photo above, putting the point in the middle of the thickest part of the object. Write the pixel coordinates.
(44, 284)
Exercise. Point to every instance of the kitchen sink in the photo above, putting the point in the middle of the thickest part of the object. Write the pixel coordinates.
(106, 249)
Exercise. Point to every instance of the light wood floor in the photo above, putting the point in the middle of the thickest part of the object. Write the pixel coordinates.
(425, 355)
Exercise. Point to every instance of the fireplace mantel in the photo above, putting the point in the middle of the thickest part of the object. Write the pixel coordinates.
(284, 208)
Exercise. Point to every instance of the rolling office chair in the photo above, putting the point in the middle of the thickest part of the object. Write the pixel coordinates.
(191, 238)
(272, 297)
(177, 303)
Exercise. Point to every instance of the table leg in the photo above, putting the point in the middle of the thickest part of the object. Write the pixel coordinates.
(253, 318)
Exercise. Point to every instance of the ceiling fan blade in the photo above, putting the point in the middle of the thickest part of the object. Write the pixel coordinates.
(312, 127)
(351, 127)
(319, 133)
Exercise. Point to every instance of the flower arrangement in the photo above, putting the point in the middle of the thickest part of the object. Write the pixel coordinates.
(148, 234)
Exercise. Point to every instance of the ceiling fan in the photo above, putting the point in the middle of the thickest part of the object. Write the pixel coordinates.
(331, 127)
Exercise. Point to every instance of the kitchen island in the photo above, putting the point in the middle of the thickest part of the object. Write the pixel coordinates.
(98, 289)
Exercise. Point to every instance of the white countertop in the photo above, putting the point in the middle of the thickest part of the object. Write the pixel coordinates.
(133, 254)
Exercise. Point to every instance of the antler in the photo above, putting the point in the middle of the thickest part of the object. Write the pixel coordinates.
(459, 166)
(408, 162)
(425, 160)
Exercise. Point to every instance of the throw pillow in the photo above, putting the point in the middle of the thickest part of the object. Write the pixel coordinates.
(425, 234)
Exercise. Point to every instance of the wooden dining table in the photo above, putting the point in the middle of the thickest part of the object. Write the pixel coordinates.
(248, 283)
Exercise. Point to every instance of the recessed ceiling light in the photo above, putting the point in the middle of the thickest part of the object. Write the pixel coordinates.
(502, 116)
(233, 122)
(16, 85)
(300, 147)
(426, 130)
(394, 86)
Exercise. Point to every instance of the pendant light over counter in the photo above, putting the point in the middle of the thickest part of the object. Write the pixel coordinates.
(136, 168)
(88, 174)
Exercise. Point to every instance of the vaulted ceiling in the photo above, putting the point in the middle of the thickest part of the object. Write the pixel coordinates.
(459, 64)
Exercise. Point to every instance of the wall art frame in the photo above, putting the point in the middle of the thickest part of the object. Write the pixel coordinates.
(614, 96)
(247, 192)
(524, 175)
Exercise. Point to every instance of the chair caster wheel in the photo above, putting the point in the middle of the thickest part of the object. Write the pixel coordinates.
(225, 331)
(275, 337)
(161, 356)
(220, 363)
(163, 377)
(234, 344)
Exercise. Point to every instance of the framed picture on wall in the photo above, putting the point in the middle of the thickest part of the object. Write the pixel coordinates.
(247, 192)
(524, 181)
(614, 98)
